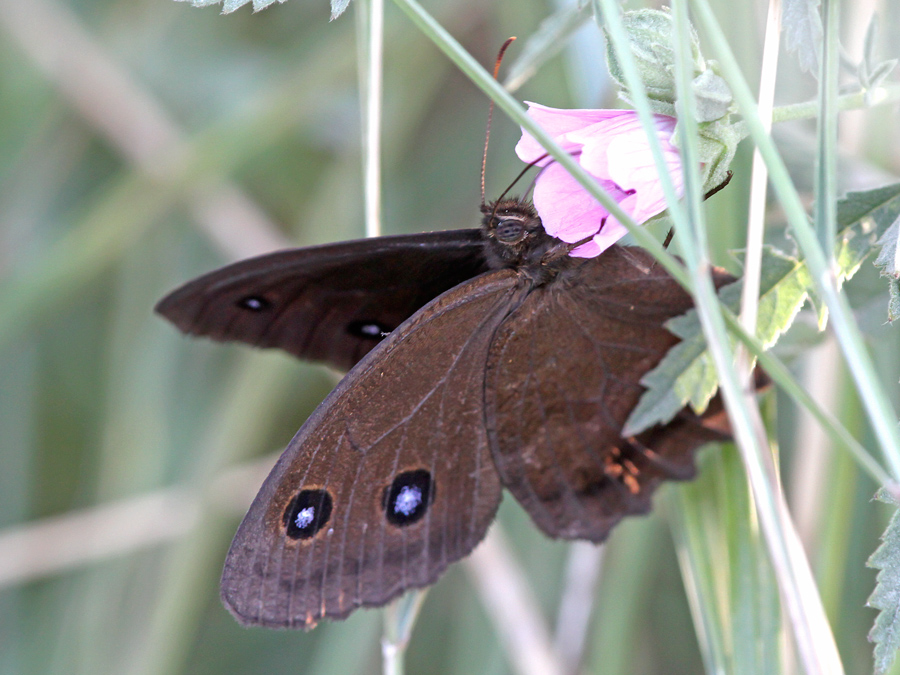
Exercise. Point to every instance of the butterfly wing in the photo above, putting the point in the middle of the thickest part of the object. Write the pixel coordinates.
(388, 482)
(562, 378)
(329, 303)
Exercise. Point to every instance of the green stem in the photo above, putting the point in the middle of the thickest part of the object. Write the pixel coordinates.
(399, 619)
(855, 101)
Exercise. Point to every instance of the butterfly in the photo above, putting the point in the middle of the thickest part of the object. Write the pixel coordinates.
(478, 360)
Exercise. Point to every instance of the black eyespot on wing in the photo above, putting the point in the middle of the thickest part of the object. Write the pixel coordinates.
(307, 513)
(372, 330)
(254, 303)
(407, 499)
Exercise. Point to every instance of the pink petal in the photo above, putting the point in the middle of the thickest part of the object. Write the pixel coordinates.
(619, 150)
(634, 169)
(624, 131)
(588, 250)
(567, 211)
(557, 123)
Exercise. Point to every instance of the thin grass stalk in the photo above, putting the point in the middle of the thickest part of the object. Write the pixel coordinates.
(812, 633)
(759, 181)
(399, 619)
(877, 405)
(583, 568)
(510, 603)
(827, 132)
(371, 18)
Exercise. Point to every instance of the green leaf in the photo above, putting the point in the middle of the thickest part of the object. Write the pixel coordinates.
(863, 218)
(889, 255)
(886, 596)
(687, 374)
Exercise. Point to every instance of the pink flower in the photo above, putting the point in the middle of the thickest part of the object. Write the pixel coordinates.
(611, 146)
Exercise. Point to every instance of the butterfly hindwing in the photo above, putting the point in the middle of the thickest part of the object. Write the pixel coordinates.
(329, 303)
(562, 377)
(388, 482)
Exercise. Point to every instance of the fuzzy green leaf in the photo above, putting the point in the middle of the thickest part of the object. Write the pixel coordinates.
(886, 596)
(803, 31)
(338, 7)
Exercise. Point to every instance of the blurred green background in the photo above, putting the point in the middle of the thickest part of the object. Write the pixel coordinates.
(145, 142)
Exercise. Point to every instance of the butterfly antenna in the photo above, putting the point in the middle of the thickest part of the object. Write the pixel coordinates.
(522, 173)
(487, 134)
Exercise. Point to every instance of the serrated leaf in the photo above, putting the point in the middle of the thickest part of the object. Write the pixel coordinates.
(867, 218)
(885, 632)
(888, 256)
(894, 302)
(687, 373)
(229, 6)
(338, 7)
(888, 260)
(550, 37)
(803, 31)
(881, 205)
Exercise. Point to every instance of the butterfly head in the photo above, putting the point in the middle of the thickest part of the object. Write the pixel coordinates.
(514, 234)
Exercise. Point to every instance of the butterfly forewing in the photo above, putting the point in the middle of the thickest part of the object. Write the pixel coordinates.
(329, 303)
(388, 482)
(562, 377)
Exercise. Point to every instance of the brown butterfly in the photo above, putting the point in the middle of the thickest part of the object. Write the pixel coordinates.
(480, 359)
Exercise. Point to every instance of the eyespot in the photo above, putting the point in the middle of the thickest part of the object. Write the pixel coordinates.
(371, 330)
(307, 513)
(407, 499)
(254, 303)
